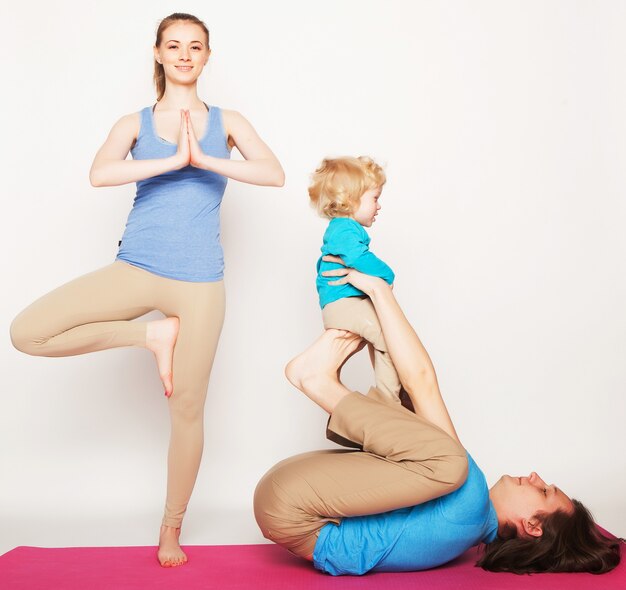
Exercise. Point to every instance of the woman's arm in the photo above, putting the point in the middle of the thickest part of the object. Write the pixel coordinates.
(110, 166)
(260, 165)
(415, 369)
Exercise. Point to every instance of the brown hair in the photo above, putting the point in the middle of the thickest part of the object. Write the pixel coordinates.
(159, 74)
(570, 542)
(338, 184)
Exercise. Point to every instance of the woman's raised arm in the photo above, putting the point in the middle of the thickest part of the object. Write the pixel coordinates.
(110, 166)
(415, 369)
(260, 166)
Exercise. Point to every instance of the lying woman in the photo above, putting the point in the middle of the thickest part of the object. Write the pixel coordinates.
(412, 497)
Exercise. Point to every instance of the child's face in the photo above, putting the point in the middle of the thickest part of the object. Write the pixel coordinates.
(368, 207)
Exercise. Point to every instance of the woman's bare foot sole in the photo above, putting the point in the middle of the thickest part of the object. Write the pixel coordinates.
(160, 339)
(317, 367)
(326, 355)
(170, 554)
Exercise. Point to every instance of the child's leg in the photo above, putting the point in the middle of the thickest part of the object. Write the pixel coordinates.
(406, 461)
(357, 315)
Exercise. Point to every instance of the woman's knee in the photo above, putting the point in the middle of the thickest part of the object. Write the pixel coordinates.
(456, 470)
(264, 500)
(187, 403)
(279, 519)
(22, 335)
(274, 492)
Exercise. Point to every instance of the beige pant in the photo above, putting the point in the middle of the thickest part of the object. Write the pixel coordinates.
(357, 315)
(93, 313)
(405, 461)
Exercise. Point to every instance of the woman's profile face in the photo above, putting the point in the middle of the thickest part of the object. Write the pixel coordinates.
(183, 52)
(518, 499)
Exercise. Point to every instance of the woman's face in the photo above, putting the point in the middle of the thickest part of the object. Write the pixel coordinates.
(518, 499)
(183, 51)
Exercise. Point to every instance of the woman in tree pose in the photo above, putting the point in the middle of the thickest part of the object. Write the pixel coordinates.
(170, 257)
(412, 498)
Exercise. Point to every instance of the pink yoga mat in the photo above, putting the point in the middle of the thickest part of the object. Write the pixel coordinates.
(252, 567)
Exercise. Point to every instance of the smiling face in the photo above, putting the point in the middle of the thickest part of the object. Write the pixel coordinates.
(518, 499)
(183, 52)
(368, 207)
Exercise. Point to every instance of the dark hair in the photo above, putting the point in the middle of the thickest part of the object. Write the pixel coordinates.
(571, 542)
(159, 74)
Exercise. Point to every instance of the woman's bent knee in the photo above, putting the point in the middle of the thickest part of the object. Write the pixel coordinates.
(273, 505)
(264, 499)
(282, 521)
(457, 468)
(21, 337)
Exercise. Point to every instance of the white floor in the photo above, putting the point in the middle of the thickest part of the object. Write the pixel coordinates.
(223, 528)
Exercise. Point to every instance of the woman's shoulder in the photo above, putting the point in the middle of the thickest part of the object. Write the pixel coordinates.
(232, 119)
(129, 124)
(228, 113)
(470, 503)
(476, 481)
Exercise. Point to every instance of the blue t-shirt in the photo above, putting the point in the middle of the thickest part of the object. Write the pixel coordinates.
(346, 238)
(410, 539)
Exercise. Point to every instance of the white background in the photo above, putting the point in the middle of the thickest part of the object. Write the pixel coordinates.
(501, 125)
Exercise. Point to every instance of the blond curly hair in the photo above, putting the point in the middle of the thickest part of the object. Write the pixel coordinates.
(338, 184)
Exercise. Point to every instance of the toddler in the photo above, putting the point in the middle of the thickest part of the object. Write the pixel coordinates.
(346, 191)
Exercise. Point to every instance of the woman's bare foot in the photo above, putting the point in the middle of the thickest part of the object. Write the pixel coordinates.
(160, 339)
(170, 554)
(315, 371)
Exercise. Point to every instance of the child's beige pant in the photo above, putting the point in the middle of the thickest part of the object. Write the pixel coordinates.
(94, 312)
(405, 461)
(357, 315)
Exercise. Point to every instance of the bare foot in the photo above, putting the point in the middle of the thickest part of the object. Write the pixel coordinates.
(160, 339)
(315, 371)
(361, 346)
(170, 554)
(325, 356)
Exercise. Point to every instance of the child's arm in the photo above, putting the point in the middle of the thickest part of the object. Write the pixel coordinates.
(350, 245)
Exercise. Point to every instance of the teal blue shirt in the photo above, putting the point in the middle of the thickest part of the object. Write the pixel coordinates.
(346, 238)
(410, 539)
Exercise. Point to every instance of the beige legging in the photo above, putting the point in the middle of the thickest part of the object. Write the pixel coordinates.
(93, 313)
(405, 461)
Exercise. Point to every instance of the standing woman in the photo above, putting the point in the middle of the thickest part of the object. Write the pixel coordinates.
(170, 257)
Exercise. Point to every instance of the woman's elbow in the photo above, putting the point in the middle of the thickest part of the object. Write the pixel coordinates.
(274, 173)
(421, 381)
(278, 178)
(95, 178)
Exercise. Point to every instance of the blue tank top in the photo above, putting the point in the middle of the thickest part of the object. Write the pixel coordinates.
(173, 229)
